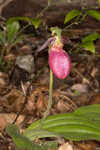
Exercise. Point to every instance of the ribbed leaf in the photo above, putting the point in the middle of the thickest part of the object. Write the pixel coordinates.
(87, 109)
(33, 134)
(79, 125)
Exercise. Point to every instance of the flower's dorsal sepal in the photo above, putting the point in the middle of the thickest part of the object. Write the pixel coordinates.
(56, 32)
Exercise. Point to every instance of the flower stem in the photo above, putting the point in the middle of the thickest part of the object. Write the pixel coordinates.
(50, 100)
(50, 95)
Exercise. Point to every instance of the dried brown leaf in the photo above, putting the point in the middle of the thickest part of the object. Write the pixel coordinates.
(66, 146)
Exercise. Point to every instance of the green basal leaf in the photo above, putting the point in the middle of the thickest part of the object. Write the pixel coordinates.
(87, 109)
(91, 111)
(91, 37)
(71, 15)
(33, 134)
(83, 124)
(89, 46)
(93, 13)
(36, 22)
(12, 30)
(21, 141)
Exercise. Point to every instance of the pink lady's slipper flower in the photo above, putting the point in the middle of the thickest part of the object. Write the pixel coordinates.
(59, 61)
